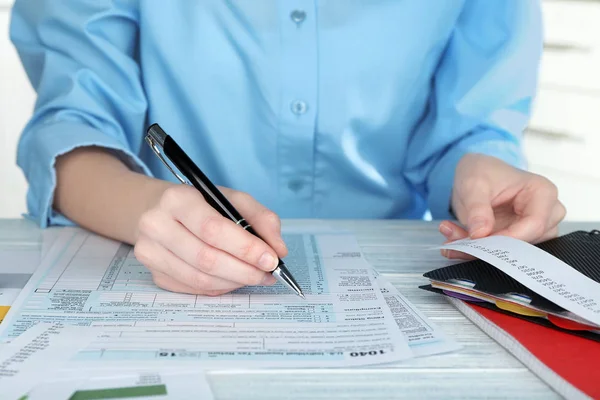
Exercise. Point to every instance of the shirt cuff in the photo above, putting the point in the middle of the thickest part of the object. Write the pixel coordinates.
(441, 178)
(37, 157)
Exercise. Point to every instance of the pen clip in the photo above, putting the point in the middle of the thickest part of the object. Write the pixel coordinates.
(157, 150)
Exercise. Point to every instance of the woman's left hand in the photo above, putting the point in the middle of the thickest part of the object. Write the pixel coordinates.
(491, 197)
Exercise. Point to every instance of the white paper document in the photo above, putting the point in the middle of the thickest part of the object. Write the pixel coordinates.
(424, 337)
(16, 267)
(539, 271)
(36, 354)
(92, 281)
(139, 386)
(21, 260)
(8, 296)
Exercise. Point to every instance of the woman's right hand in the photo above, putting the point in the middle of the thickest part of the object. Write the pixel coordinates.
(189, 247)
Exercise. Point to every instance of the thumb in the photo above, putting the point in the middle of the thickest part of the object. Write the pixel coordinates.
(268, 226)
(478, 209)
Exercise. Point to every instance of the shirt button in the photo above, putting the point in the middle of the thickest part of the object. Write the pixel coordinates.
(298, 107)
(298, 16)
(295, 185)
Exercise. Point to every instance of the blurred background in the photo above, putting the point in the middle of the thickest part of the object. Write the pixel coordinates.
(562, 141)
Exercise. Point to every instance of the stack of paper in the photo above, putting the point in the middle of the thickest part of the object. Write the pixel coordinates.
(351, 316)
(16, 267)
(26, 359)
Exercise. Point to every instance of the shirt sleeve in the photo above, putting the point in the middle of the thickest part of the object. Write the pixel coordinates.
(80, 57)
(481, 96)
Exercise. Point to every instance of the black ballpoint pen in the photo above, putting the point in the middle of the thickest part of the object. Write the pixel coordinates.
(158, 139)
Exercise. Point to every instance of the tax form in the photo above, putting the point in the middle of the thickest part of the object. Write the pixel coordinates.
(25, 360)
(424, 337)
(93, 281)
(16, 267)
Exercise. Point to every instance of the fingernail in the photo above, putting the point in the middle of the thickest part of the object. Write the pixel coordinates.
(476, 225)
(269, 280)
(444, 253)
(267, 262)
(446, 230)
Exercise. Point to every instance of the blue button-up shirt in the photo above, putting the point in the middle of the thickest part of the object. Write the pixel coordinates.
(332, 109)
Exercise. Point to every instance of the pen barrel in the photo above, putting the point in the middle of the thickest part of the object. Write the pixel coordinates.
(248, 228)
(209, 191)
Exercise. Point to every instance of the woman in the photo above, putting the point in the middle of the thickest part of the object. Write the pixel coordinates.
(331, 109)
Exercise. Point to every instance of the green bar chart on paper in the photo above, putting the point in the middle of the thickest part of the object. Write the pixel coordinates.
(120, 393)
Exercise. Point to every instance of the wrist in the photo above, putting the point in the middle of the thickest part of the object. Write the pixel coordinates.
(151, 191)
(99, 192)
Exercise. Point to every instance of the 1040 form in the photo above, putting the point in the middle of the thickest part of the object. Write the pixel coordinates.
(347, 318)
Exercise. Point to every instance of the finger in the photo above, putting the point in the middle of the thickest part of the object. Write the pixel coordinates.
(457, 255)
(164, 281)
(167, 283)
(453, 254)
(452, 231)
(157, 258)
(264, 221)
(536, 207)
(475, 198)
(551, 234)
(207, 224)
(558, 214)
(205, 258)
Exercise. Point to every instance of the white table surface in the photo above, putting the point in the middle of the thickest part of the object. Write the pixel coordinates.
(397, 249)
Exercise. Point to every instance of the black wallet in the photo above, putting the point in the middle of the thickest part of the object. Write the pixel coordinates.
(580, 250)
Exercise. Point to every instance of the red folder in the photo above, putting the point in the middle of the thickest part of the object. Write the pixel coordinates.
(567, 363)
